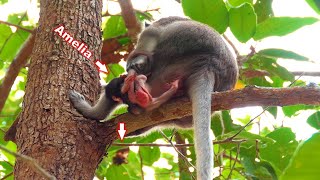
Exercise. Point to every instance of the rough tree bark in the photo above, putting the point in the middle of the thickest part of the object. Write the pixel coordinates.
(48, 130)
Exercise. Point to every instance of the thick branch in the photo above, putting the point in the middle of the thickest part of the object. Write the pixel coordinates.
(130, 19)
(249, 96)
(14, 69)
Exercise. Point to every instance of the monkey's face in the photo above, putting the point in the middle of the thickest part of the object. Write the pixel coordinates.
(133, 108)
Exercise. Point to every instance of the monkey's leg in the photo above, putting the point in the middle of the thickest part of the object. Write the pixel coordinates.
(156, 102)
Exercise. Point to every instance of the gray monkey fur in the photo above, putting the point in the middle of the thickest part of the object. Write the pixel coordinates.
(196, 54)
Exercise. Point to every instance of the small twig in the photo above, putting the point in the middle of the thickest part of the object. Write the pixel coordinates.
(175, 148)
(232, 45)
(6, 176)
(136, 10)
(14, 69)
(8, 163)
(17, 26)
(130, 19)
(234, 164)
(141, 165)
(31, 162)
(173, 133)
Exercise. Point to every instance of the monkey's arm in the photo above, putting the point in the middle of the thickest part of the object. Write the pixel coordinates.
(99, 111)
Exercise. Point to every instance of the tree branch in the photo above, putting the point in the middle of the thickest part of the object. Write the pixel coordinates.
(17, 26)
(249, 96)
(130, 19)
(14, 69)
(31, 162)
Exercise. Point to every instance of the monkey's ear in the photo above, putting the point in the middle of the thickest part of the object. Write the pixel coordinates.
(117, 99)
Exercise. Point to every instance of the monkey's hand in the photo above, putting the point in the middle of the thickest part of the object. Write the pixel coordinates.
(75, 97)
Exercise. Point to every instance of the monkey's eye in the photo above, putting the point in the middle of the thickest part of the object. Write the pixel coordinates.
(139, 67)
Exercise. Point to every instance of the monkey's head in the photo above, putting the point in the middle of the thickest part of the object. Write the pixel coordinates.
(114, 92)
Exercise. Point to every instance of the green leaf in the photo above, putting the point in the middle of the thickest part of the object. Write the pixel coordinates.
(115, 71)
(280, 152)
(281, 53)
(3, 1)
(149, 154)
(133, 163)
(115, 172)
(254, 169)
(227, 126)
(280, 26)
(273, 111)
(271, 65)
(314, 120)
(249, 137)
(305, 163)
(5, 32)
(242, 22)
(315, 5)
(12, 147)
(114, 27)
(12, 46)
(290, 111)
(263, 9)
(235, 3)
(211, 12)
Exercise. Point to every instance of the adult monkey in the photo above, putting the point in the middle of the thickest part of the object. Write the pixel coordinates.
(174, 54)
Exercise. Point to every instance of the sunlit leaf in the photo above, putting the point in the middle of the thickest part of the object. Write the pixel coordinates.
(281, 53)
(281, 26)
(211, 12)
(114, 27)
(305, 163)
(315, 5)
(242, 22)
(115, 172)
(314, 120)
(149, 154)
(263, 9)
(280, 152)
(236, 3)
(115, 71)
(222, 123)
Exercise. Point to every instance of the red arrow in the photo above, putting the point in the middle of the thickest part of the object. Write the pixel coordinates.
(101, 67)
(121, 130)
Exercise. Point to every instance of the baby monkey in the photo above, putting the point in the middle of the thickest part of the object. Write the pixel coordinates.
(132, 90)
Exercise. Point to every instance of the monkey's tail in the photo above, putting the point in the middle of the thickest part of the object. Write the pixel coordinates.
(200, 93)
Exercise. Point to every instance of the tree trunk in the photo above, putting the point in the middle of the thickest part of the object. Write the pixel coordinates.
(49, 129)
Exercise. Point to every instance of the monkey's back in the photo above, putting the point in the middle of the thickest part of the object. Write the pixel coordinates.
(187, 47)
